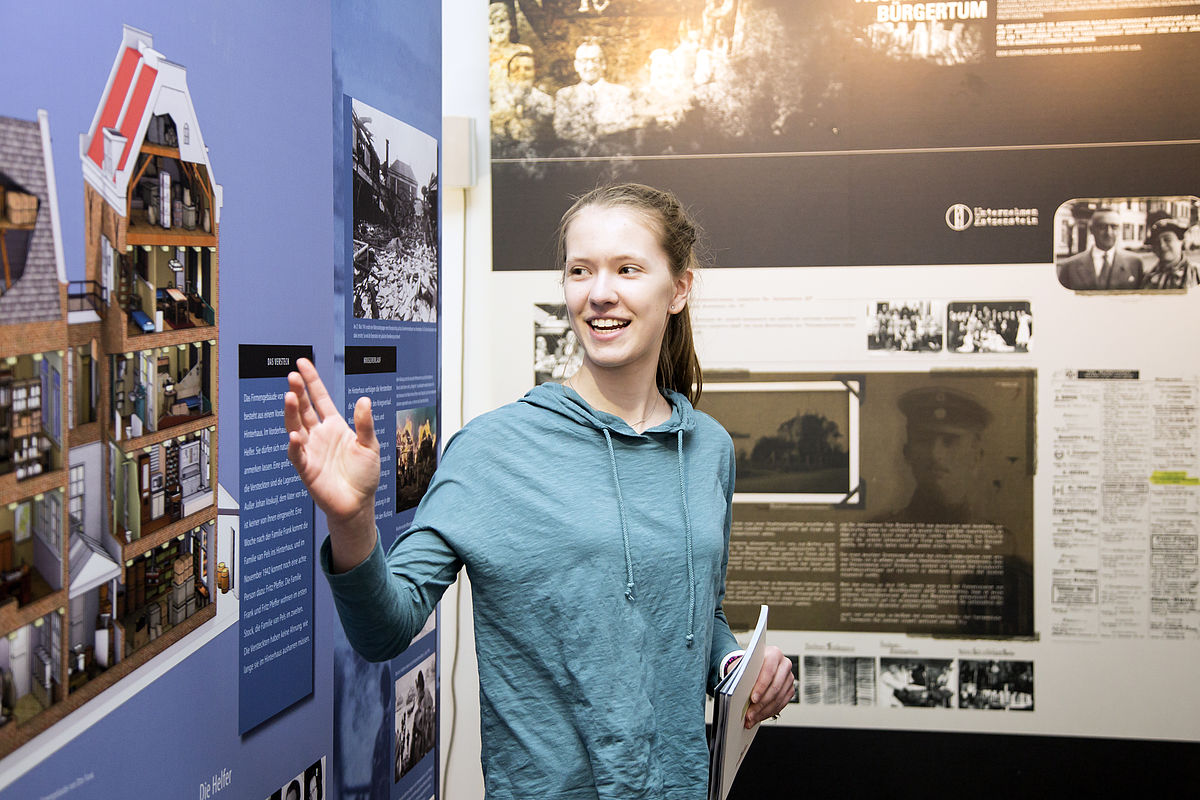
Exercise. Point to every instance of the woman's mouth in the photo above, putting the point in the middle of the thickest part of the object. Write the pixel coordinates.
(607, 325)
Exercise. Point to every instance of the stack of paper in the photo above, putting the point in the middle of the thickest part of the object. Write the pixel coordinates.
(730, 739)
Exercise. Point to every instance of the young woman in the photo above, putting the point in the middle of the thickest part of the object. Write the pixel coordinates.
(593, 520)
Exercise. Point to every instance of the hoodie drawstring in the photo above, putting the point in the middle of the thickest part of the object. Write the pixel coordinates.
(687, 524)
(612, 461)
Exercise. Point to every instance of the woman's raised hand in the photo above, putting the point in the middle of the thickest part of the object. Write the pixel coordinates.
(339, 466)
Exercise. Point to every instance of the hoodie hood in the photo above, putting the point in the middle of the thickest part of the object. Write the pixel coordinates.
(567, 403)
(573, 408)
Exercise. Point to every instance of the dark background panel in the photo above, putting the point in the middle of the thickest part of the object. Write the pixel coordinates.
(784, 211)
(254, 360)
(834, 762)
(849, 209)
(1101, 97)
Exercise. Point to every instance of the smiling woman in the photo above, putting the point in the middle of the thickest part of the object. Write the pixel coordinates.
(644, 235)
(620, 291)
(594, 520)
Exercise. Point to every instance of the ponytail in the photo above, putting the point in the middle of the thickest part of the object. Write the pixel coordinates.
(678, 365)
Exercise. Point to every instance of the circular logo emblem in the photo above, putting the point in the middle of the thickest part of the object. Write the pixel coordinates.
(959, 217)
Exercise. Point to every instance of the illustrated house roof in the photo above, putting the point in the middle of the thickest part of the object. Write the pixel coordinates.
(90, 565)
(26, 166)
(141, 85)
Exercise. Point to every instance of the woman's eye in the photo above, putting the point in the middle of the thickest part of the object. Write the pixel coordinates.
(628, 269)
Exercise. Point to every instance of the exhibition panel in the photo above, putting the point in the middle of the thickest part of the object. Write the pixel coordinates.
(945, 315)
(173, 242)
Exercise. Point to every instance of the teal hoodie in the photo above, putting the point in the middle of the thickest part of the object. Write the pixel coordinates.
(597, 563)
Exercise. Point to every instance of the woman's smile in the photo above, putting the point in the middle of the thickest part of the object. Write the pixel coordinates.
(618, 287)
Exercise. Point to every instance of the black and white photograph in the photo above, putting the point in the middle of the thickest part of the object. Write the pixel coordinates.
(963, 456)
(989, 326)
(938, 539)
(1148, 244)
(314, 780)
(415, 716)
(995, 685)
(905, 326)
(916, 682)
(557, 353)
(395, 218)
(796, 441)
(729, 103)
(952, 447)
(416, 454)
(839, 681)
(573, 78)
(363, 749)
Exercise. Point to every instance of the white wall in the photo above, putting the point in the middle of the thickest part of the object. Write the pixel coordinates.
(479, 329)
(466, 260)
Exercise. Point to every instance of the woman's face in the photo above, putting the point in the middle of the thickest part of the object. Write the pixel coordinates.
(1168, 247)
(619, 288)
(499, 25)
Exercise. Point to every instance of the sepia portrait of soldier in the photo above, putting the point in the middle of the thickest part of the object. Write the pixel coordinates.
(943, 450)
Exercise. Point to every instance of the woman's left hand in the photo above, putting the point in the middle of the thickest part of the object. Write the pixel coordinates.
(773, 689)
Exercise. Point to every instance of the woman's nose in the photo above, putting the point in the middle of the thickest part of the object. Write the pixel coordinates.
(603, 290)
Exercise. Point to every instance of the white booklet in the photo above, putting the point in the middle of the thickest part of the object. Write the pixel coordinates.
(730, 738)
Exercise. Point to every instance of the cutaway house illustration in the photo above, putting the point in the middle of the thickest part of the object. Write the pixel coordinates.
(108, 386)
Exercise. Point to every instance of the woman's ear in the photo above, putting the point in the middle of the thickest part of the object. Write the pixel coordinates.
(683, 290)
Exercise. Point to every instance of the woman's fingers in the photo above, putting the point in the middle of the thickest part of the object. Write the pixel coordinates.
(297, 432)
(364, 424)
(296, 453)
(783, 687)
(305, 412)
(766, 676)
(317, 433)
(773, 689)
(317, 394)
(293, 419)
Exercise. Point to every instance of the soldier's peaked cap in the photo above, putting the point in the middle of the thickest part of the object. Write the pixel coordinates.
(941, 406)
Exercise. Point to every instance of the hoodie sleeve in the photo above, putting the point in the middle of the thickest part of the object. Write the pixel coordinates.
(723, 641)
(384, 601)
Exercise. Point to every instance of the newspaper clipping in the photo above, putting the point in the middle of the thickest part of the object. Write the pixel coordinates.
(1126, 534)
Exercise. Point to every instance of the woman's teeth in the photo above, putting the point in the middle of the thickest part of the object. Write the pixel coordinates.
(608, 324)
